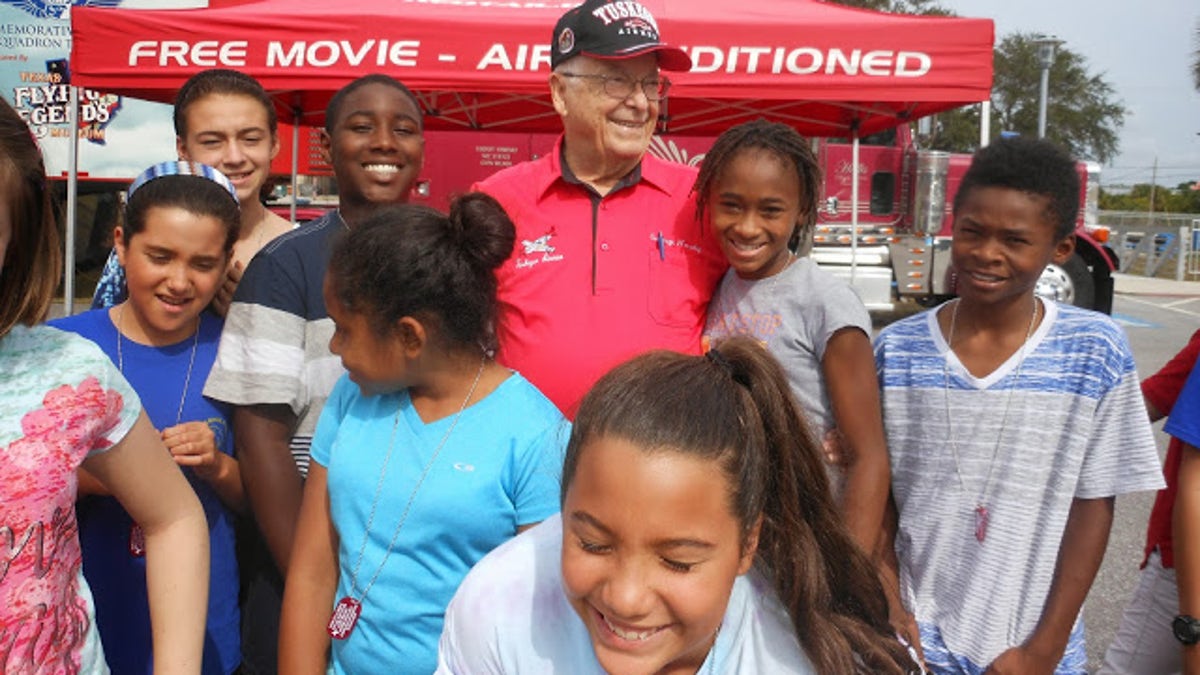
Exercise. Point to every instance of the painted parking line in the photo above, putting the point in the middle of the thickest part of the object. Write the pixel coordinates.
(1170, 306)
(1132, 322)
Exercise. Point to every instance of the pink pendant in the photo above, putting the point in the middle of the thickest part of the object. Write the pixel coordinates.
(345, 616)
(981, 523)
(137, 541)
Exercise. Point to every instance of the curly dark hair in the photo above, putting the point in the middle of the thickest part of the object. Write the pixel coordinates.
(335, 104)
(413, 260)
(777, 138)
(1033, 166)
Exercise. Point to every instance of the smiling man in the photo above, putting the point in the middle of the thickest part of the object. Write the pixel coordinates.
(273, 363)
(609, 261)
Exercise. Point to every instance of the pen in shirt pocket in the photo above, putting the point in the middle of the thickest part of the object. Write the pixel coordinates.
(662, 247)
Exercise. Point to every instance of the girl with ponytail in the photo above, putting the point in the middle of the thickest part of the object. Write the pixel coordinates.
(428, 453)
(697, 535)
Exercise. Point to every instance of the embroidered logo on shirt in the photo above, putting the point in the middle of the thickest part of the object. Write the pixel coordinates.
(538, 251)
(539, 245)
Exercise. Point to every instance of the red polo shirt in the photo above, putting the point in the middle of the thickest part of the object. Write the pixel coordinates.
(596, 280)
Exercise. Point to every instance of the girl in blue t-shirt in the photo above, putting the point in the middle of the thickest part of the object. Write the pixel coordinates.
(181, 220)
(427, 455)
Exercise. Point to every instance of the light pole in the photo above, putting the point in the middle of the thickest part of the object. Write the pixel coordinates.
(1046, 46)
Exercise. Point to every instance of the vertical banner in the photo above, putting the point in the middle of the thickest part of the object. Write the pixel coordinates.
(117, 136)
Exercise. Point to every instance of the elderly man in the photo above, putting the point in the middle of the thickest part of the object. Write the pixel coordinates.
(609, 260)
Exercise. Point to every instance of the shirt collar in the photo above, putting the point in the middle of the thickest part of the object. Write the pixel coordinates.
(649, 171)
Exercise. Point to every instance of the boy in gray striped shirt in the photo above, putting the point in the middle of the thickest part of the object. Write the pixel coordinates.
(1011, 423)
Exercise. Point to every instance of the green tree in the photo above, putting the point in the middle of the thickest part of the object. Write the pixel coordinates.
(1082, 115)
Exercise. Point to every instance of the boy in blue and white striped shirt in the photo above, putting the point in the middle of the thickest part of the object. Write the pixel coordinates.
(1011, 423)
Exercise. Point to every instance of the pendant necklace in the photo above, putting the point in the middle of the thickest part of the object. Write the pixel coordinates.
(137, 538)
(981, 509)
(349, 608)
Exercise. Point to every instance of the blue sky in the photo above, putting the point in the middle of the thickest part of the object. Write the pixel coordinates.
(1144, 50)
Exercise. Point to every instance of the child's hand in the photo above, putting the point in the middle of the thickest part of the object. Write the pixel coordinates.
(1022, 661)
(837, 452)
(233, 275)
(194, 444)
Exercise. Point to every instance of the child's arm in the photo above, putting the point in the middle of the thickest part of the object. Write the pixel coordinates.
(194, 444)
(311, 583)
(848, 368)
(1187, 546)
(262, 434)
(1083, 543)
(140, 473)
(902, 620)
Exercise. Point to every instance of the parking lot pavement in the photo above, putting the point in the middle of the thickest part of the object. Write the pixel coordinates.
(1135, 284)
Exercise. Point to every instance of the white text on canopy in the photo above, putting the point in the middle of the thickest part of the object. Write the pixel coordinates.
(295, 54)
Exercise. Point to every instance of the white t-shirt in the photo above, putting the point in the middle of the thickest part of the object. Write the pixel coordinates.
(510, 616)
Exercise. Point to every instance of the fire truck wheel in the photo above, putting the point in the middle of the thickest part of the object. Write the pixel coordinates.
(1070, 283)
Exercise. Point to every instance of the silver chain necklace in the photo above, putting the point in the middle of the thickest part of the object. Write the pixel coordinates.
(137, 538)
(187, 380)
(981, 509)
(349, 608)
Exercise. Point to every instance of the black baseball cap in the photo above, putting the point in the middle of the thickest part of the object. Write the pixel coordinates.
(604, 29)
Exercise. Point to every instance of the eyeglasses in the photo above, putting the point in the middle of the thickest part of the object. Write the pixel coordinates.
(621, 87)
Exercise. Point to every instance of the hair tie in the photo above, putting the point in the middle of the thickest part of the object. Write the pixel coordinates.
(182, 168)
(715, 356)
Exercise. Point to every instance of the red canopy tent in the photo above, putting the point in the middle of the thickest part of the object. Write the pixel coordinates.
(826, 69)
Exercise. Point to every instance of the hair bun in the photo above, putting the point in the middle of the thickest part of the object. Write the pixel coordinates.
(482, 228)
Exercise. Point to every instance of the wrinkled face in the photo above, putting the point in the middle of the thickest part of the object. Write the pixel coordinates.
(755, 206)
(650, 555)
(1003, 239)
(173, 268)
(616, 129)
(231, 133)
(375, 363)
(376, 148)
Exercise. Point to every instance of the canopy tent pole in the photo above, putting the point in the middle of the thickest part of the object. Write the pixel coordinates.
(72, 201)
(295, 159)
(854, 202)
(985, 123)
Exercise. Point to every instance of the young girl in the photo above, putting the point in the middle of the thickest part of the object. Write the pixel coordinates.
(62, 405)
(226, 120)
(180, 222)
(428, 453)
(760, 183)
(698, 535)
